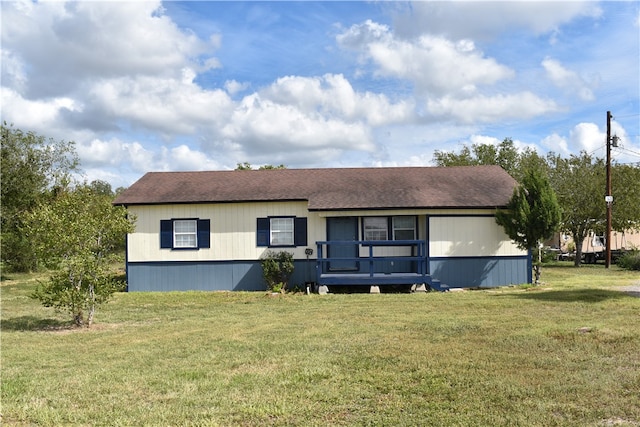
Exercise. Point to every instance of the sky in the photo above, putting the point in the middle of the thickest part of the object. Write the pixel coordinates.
(145, 86)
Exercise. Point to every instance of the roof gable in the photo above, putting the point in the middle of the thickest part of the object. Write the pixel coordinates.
(331, 189)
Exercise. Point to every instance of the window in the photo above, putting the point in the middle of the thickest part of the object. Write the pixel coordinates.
(281, 231)
(188, 233)
(404, 228)
(375, 228)
(185, 234)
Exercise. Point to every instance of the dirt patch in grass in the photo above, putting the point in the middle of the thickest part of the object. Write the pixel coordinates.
(633, 290)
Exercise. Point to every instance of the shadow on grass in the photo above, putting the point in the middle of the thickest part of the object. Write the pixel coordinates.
(574, 295)
(33, 323)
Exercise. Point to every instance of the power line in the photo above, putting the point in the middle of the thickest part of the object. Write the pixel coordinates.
(628, 151)
(625, 116)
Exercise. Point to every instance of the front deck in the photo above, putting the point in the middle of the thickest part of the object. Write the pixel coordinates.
(374, 270)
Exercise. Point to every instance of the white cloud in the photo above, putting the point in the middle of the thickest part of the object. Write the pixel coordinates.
(161, 104)
(98, 152)
(263, 125)
(491, 108)
(333, 96)
(486, 20)
(568, 80)
(590, 138)
(556, 144)
(232, 87)
(435, 65)
(587, 137)
(184, 158)
(114, 152)
(66, 44)
(40, 115)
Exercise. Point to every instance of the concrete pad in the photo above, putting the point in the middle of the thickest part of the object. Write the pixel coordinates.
(374, 289)
(323, 289)
(419, 288)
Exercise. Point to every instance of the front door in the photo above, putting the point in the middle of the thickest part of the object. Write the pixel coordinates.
(342, 229)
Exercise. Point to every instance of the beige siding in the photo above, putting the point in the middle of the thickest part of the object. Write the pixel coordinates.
(469, 236)
(233, 230)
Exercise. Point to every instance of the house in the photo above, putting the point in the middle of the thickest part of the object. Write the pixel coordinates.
(594, 245)
(350, 226)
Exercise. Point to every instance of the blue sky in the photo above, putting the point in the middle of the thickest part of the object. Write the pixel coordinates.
(150, 86)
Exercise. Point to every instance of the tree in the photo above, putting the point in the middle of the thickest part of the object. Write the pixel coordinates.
(31, 167)
(625, 187)
(246, 166)
(505, 155)
(75, 234)
(532, 215)
(101, 188)
(579, 183)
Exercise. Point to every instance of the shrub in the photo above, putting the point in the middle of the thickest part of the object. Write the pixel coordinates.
(277, 268)
(630, 260)
(548, 255)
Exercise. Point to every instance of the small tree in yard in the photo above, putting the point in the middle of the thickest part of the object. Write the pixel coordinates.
(75, 234)
(277, 268)
(532, 215)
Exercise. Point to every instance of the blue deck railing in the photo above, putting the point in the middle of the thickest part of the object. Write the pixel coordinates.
(371, 268)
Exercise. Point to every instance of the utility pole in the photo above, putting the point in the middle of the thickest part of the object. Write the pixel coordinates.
(608, 198)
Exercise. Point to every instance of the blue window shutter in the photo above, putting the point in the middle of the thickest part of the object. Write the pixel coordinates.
(204, 239)
(262, 234)
(166, 234)
(300, 231)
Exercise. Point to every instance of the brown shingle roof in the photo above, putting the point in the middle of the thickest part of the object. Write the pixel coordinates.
(331, 189)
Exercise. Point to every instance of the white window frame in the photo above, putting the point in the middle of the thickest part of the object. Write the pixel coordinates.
(187, 236)
(282, 231)
(375, 228)
(404, 228)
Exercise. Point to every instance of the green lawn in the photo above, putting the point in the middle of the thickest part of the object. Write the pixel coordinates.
(565, 353)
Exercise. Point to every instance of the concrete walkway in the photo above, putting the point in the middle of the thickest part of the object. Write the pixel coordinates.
(631, 290)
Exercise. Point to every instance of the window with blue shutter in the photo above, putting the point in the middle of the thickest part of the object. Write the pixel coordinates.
(262, 234)
(166, 234)
(281, 232)
(300, 232)
(204, 233)
(185, 233)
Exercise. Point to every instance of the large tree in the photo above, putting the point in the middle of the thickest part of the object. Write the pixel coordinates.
(579, 182)
(505, 155)
(75, 234)
(625, 186)
(31, 167)
(532, 215)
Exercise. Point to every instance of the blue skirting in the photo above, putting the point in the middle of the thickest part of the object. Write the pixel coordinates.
(462, 272)
(472, 272)
(207, 275)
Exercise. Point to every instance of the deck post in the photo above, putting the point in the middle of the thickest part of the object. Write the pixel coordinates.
(370, 260)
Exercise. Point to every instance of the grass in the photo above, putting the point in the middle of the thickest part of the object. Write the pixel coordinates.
(564, 353)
